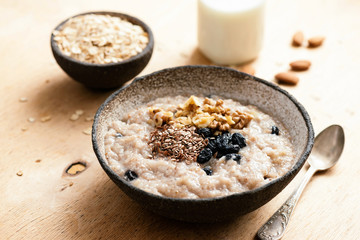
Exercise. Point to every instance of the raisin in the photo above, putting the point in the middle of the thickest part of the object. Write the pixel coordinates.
(227, 150)
(204, 156)
(130, 175)
(233, 156)
(222, 141)
(208, 170)
(220, 154)
(275, 130)
(204, 132)
(212, 146)
(238, 139)
(232, 148)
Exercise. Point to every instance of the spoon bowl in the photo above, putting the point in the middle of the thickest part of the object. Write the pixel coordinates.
(328, 147)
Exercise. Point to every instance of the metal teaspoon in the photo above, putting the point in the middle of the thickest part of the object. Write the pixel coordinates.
(326, 152)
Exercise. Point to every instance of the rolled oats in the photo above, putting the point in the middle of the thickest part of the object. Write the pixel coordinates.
(100, 39)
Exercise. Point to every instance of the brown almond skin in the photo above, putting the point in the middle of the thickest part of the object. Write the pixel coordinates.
(316, 41)
(298, 39)
(287, 78)
(300, 65)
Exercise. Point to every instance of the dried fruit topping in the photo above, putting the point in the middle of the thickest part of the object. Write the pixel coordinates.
(238, 139)
(204, 156)
(228, 149)
(275, 130)
(205, 132)
(233, 156)
(223, 140)
(130, 175)
(208, 170)
(212, 145)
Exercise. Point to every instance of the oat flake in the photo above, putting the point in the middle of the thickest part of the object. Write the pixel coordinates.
(46, 118)
(31, 119)
(74, 117)
(23, 99)
(87, 131)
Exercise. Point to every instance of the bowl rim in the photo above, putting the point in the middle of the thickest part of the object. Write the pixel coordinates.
(295, 168)
(143, 25)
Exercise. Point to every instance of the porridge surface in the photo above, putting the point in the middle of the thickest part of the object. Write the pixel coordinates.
(268, 153)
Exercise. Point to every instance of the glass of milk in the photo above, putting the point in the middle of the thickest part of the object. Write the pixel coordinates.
(230, 31)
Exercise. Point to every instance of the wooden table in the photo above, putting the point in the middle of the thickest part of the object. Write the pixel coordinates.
(46, 203)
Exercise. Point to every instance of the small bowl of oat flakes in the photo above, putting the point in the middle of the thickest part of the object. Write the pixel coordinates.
(102, 50)
(219, 147)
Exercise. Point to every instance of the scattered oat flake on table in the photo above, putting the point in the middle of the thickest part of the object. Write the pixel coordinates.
(79, 112)
(24, 129)
(100, 39)
(38, 160)
(45, 118)
(23, 99)
(19, 173)
(74, 117)
(31, 119)
(87, 131)
(89, 119)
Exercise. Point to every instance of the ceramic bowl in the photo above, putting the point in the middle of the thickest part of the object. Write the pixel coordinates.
(207, 80)
(104, 76)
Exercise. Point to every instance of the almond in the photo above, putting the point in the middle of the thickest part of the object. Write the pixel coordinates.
(287, 78)
(300, 65)
(298, 39)
(316, 41)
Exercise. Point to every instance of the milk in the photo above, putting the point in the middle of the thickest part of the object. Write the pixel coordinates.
(230, 31)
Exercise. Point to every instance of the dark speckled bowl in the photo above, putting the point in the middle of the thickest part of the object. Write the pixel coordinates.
(105, 76)
(207, 80)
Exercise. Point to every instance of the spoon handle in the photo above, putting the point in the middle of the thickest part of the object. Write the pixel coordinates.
(275, 227)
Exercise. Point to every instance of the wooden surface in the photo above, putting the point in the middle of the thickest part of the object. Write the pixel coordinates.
(45, 203)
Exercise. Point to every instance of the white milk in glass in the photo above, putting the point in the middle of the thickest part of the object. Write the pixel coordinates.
(230, 31)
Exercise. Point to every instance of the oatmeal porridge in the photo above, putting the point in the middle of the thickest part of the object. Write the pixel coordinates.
(198, 147)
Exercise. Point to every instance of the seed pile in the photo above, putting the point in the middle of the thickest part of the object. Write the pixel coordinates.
(100, 39)
(180, 144)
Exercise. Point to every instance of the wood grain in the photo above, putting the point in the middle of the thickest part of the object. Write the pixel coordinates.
(45, 203)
